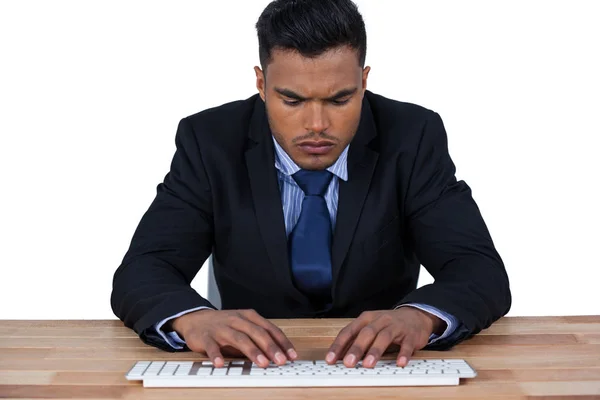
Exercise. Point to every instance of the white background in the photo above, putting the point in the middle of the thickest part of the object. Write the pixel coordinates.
(91, 94)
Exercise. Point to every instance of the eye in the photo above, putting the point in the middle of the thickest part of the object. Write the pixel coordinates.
(291, 103)
(340, 102)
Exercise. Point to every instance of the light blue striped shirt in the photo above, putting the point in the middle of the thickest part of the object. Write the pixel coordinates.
(291, 199)
(291, 194)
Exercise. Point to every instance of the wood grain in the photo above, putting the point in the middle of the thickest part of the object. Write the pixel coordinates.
(516, 358)
(592, 338)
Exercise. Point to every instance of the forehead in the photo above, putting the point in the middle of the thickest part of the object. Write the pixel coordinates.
(335, 69)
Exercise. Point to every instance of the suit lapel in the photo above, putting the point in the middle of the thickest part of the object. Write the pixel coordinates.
(260, 162)
(352, 193)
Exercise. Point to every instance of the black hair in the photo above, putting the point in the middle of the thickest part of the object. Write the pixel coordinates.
(310, 27)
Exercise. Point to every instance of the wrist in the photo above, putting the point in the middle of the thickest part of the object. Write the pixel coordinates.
(438, 326)
(435, 324)
(180, 324)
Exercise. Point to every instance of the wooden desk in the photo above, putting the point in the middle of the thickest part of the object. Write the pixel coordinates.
(516, 358)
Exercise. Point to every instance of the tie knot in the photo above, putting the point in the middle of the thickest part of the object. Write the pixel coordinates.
(313, 183)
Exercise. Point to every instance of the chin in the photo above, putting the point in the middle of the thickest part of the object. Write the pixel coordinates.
(315, 162)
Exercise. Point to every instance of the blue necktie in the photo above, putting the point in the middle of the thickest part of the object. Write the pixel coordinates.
(310, 240)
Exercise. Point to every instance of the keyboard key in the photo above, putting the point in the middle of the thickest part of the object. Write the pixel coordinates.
(288, 372)
(354, 371)
(236, 363)
(258, 372)
(419, 372)
(183, 370)
(450, 371)
(368, 371)
(204, 371)
(219, 372)
(167, 371)
(386, 371)
(401, 371)
(434, 372)
(235, 371)
(154, 368)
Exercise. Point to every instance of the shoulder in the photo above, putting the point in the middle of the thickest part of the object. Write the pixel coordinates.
(399, 124)
(223, 125)
(224, 115)
(390, 113)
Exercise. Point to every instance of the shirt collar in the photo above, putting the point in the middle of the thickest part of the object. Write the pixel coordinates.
(288, 167)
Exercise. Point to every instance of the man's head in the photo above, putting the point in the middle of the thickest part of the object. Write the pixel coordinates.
(313, 79)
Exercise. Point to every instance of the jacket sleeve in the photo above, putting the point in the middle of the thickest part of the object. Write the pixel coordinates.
(172, 241)
(452, 242)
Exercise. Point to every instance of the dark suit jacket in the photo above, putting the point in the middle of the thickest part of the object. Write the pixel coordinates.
(401, 207)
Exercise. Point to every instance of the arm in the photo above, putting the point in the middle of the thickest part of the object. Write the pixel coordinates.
(172, 241)
(452, 242)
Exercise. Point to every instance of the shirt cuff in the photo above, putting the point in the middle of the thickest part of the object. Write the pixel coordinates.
(172, 338)
(450, 320)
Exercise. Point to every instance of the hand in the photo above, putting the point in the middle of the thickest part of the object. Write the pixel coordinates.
(373, 331)
(234, 331)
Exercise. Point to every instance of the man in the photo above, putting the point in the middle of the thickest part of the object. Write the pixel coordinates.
(316, 198)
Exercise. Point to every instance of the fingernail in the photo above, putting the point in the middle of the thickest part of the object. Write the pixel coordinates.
(218, 360)
(292, 354)
(280, 358)
(349, 360)
(262, 359)
(369, 360)
(330, 357)
(402, 361)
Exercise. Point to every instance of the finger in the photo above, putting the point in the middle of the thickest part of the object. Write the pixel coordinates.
(344, 340)
(262, 339)
(406, 351)
(275, 332)
(365, 339)
(214, 352)
(384, 339)
(204, 343)
(339, 355)
(242, 342)
(231, 352)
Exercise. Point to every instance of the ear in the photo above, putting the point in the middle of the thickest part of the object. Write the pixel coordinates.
(365, 75)
(260, 82)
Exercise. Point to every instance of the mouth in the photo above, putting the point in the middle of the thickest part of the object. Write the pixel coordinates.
(316, 147)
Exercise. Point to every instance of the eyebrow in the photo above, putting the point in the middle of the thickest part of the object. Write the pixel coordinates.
(293, 95)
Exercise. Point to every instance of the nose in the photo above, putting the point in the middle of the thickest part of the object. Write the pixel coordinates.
(316, 118)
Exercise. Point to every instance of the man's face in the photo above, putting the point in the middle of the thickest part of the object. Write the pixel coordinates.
(313, 105)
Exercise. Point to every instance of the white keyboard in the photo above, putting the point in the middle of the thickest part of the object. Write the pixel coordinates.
(298, 374)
